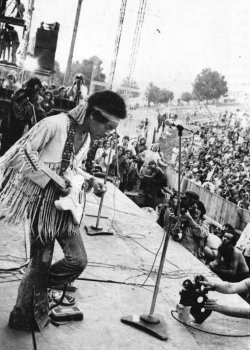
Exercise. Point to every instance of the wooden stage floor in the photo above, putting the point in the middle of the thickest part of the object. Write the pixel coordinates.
(110, 289)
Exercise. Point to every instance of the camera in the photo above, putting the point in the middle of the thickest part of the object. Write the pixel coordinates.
(177, 235)
(193, 294)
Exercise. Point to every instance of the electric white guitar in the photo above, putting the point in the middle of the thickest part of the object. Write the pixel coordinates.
(75, 200)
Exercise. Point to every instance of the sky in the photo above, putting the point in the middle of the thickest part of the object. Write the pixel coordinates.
(179, 38)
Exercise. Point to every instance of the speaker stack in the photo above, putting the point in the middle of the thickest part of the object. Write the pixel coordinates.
(45, 47)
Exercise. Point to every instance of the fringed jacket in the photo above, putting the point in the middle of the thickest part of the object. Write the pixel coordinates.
(27, 193)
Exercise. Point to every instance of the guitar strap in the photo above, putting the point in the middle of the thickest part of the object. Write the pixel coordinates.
(68, 148)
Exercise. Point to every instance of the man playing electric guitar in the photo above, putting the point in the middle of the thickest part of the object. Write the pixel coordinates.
(59, 142)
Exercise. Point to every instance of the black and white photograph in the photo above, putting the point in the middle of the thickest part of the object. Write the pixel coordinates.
(124, 174)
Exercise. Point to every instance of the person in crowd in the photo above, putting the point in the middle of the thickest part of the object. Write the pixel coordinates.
(11, 82)
(141, 146)
(56, 94)
(51, 87)
(242, 288)
(125, 143)
(47, 103)
(14, 43)
(119, 166)
(152, 183)
(60, 141)
(102, 155)
(133, 148)
(78, 92)
(62, 92)
(230, 264)
(25, 111)
(195, 229)
(132, 182)
(152, 154)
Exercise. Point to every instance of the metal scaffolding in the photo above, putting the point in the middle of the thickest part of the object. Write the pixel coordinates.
(117, 42)
(137, 38)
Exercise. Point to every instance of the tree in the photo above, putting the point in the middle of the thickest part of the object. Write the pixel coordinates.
(165, 96)
(187, 97)
(87, 67)
(156, 95)
(129, 84)
(210, 85)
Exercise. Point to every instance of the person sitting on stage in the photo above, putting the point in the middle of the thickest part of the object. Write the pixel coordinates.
(78, 92)
(230, 264)
(242, 288)
(60, 142)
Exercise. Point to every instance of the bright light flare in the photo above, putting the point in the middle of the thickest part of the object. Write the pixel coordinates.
(31, 64)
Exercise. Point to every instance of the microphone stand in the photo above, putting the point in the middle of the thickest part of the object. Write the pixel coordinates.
(151, 323)
(180, 129)
(95, 230)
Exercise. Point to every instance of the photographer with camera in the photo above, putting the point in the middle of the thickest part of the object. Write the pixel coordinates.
(242, 287)
(78, 92)
(195, 229)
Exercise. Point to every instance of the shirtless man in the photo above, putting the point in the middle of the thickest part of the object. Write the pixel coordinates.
(230, 264)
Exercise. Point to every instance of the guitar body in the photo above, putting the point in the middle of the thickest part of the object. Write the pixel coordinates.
(75, 200)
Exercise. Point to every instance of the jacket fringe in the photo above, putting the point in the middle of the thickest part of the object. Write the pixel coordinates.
(21, 199)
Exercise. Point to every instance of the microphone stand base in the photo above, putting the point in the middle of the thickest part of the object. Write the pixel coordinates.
(99, 231)
(153, 325)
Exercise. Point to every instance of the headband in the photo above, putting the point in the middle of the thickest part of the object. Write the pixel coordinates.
(108, 116)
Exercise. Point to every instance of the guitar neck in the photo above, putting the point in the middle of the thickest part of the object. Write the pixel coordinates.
(58, 179)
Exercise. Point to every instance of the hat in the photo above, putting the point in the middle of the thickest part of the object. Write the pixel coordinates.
(48, 92)
(62, 88)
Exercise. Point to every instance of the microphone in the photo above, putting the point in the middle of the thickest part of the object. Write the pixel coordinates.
(178, 126)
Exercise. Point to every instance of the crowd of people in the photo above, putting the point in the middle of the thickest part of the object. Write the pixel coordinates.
(219, 160)
(32, 101)
(131, 165)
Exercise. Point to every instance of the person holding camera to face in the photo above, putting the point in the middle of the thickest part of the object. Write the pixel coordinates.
(196, 229)
(78, 92)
